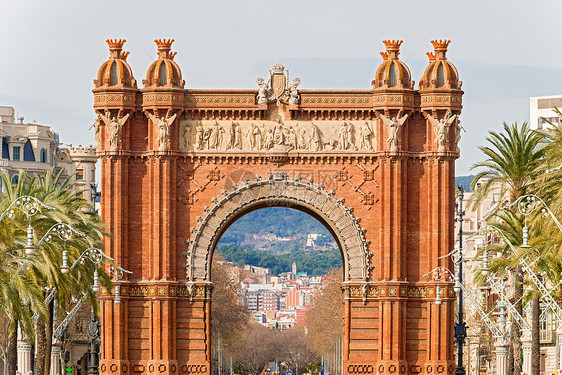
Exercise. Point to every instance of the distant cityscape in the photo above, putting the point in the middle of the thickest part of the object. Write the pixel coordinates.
(277, 301)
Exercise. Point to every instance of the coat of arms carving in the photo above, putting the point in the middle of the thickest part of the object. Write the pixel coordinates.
(277, 88)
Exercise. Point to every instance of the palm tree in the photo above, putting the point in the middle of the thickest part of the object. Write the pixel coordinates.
(44, 270)
(513, 161)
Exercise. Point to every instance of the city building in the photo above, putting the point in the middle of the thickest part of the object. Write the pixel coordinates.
(542, 108)
(36, 148)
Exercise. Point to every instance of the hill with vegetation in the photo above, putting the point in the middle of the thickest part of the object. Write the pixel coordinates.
(464, 181)
(314, 263)
(278, 230)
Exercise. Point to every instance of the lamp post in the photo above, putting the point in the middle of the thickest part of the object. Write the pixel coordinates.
(460, 325)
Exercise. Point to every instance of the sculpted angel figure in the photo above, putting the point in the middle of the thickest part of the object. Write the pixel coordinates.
(294, 99)
(365, 134)
(114, 126)
(441, 128)
(199, 136)
(97, 129)
(458, 129)
(263, 91)
(162, 128)
(393, 126)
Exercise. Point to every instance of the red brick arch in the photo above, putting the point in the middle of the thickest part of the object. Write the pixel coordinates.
(385, 155)
(279, 190)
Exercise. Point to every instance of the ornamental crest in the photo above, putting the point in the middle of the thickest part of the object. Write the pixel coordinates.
(277, 88)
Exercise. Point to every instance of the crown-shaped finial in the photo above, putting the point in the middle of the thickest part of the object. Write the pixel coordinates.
(164, 44)
(431, 56)
(384, 55)
(115, 44)
(393, 45)
(440, 45)
(392, 48)
(164, 47)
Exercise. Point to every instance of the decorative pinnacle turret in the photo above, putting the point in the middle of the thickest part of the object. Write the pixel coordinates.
(431, 56)
(384, 55)
(440, 47)
(115, 47)
(164, 47)
(393, 48)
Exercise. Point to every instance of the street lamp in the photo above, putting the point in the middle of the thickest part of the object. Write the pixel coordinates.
(460, 326)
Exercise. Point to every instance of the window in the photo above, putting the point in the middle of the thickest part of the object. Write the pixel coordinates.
(114, 79)
(43, 155)
(392, 74)
(16, 154)
(163, 74)
(440, 76)
(79, 174)
(15, 179)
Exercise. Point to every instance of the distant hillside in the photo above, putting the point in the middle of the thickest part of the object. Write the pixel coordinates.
(277, 229)
(464, 181)
(313, 263)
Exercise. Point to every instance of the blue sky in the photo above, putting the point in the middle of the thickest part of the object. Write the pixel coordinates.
(505, 51)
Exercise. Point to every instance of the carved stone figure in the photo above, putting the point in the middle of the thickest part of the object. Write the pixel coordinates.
(441, 129)
(199, 136)
(234, 137)
(254, 136)
(303, 144)
(365, 134)
(269, 139)
(293, 92)
(97, 130)
(184, 137)
(458, 129)
(291, 138)
(114, 126)
(393, 127)
(315, 138)
(215, 136)
(263, 91)
(278, 134)
(344, 136)
(162, 128)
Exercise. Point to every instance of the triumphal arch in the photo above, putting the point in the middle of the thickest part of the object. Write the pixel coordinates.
(375, 165)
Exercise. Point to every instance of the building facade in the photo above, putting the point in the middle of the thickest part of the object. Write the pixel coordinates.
(541, 108)
(375, 166)
(36, 148)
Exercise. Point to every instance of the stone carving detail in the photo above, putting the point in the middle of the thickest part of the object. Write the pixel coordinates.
(277, 87)
(279, 189)
(234, 137)
(162, 128)
(278, 135)
(441, 128)
(393, 126)
(114, 126)
(97, 130)
(458, 129)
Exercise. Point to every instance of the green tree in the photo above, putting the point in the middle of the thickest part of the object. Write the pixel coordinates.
(42, 272)
(513, 162)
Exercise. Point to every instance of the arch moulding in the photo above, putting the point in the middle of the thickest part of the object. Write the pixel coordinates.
(279, 190)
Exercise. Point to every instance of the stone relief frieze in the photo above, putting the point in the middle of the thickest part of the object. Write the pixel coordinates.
(278, 135)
